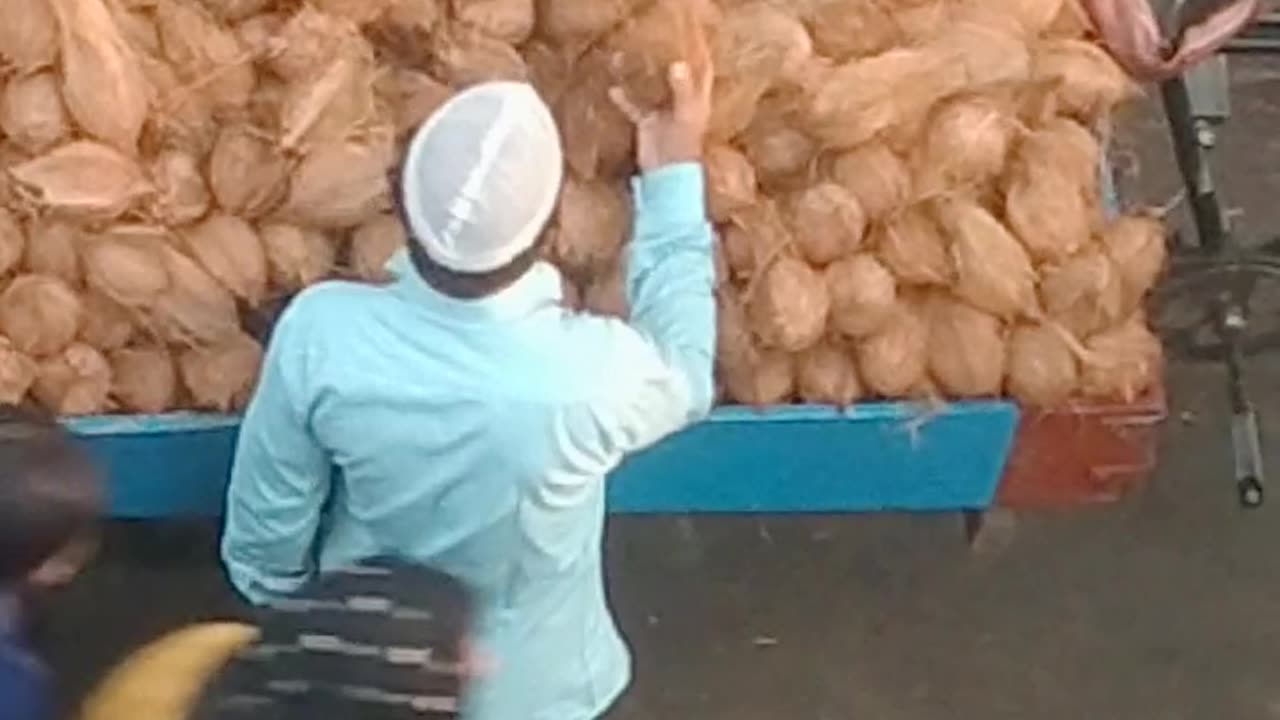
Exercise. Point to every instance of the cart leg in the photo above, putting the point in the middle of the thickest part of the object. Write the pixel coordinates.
(990, 531)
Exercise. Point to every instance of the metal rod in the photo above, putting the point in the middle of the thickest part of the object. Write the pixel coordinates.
(1190, 151)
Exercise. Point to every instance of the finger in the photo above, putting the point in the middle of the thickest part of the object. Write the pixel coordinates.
(684, 92)
(625, 106)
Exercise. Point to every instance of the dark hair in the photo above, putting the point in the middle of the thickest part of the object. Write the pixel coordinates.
(461, 285)
(50, 491)
(364, 642)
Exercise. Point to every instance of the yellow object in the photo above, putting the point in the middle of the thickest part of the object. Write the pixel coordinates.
(164, 680)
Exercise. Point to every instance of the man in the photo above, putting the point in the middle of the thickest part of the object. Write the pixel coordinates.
(1131, 30)
(471, 419)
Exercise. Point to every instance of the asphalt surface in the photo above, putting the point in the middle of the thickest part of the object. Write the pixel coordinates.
(1165, 606)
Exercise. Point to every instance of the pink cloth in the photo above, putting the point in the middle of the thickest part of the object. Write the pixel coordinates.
(1131, 32)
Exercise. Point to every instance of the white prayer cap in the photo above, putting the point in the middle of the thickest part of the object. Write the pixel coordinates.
(482, 177)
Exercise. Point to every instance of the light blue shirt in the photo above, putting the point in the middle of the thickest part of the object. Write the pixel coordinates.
(475, 436)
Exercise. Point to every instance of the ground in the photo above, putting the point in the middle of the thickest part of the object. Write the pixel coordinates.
(1164, 606)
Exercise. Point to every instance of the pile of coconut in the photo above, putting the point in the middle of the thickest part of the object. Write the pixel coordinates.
(906, 190)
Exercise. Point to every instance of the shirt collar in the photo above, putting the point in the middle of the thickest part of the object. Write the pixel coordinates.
(538, 288)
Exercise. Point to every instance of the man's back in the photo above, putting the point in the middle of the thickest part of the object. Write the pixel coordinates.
(475, 435)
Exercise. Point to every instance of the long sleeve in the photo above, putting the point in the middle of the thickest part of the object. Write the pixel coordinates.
(659, 364)
(279, 481)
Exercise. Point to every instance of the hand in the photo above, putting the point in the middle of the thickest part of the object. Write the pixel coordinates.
(676, 134)
(1130, 31)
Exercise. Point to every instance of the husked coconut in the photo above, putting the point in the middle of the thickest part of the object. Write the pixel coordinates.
(993, 270)
(863, 295)
(17, 373)
(195, 308)
(876, 176)
(311, 38)
(827, 222)
(789, 306)
(1043, 370)
(780, 152)
(966, 349)
(580, 20)
(1136, 244)
(1084, 293)
(331, 104)
(235, 10)
(53, 249)
(463, 56)
(357, 11)
(143, 379)
(372, 246)
(28, 34)
(296, 257)
(83, 180)
(893, 360)
(827, 374)
(106, 325)
(137, 27)
(733, 105)
(1035, 16)
(13, 241)
(221, 376)
(965, 143)
(606, 294)
(181, 193)
(603, 137)
(508, 20)
(74, 381)
(642, 50)
(912, 247)
(412, 95)
(257, 33)
(847, 28)
(339, 185)
(206, 52)
(592, 222)
(550, 69)
(126, 264)
(731, 181)
(1087, 83)
(760, 39)
(247, 173)
(103, 85)
(1122, 363)
(39, 314)
(988, 44)
(1046, 209)
(768, 379)
(753, 238)
(232, 252)
(31, 111)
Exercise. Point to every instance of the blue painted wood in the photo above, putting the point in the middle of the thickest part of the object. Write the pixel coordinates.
(874, 457)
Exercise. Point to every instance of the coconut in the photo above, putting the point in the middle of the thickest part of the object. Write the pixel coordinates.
(966, 349)
(876, 176)
(847, 28)
(989, 44)
(107, 325)
(180, 119)
(357, 11)
(922, 22)
(753, 238)
(339, 185)
(17, 373)
(606, 294)
(731, 181)
(296, 257)
(827, 222)
(912, 247)
(863, 295)
(733, 104)
(126, 264)
(1122, 363)
(570, 295)
(75, 381)
(13, 241)
(257, 34)
(507, 20)
(102, 81)
(641, 52)
(863, 98)
(331, 104)
(593, 219)
(1136, 244)
(205, 53)
(137, 28)
(236, 10)
(760, 39)
(10, 156)
(39, 314)
(893, 359)
(1043, 369)
(181, 194)
(462, 56)
(580, 20)
(143, 379)
(767, 379)
(310, 39)
(603, 137)
(413, 96)
(1045, 207)
(194, 308)
(52, 248)
(231, 251)
(1084, 293)
(966, 143)
(247, 174)
(789, 306)
(550, 69)
(373, 244)
(780, 153)
(1068, 147)
(221, 376)
(31, 111)
(1035, 16)
(827, 374)
(1073, 22)
(28, 34)
(993, 270)
(83, 180)
(1087, 83)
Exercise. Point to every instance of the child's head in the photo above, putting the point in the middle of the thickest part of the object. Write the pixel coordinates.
(50, 499)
